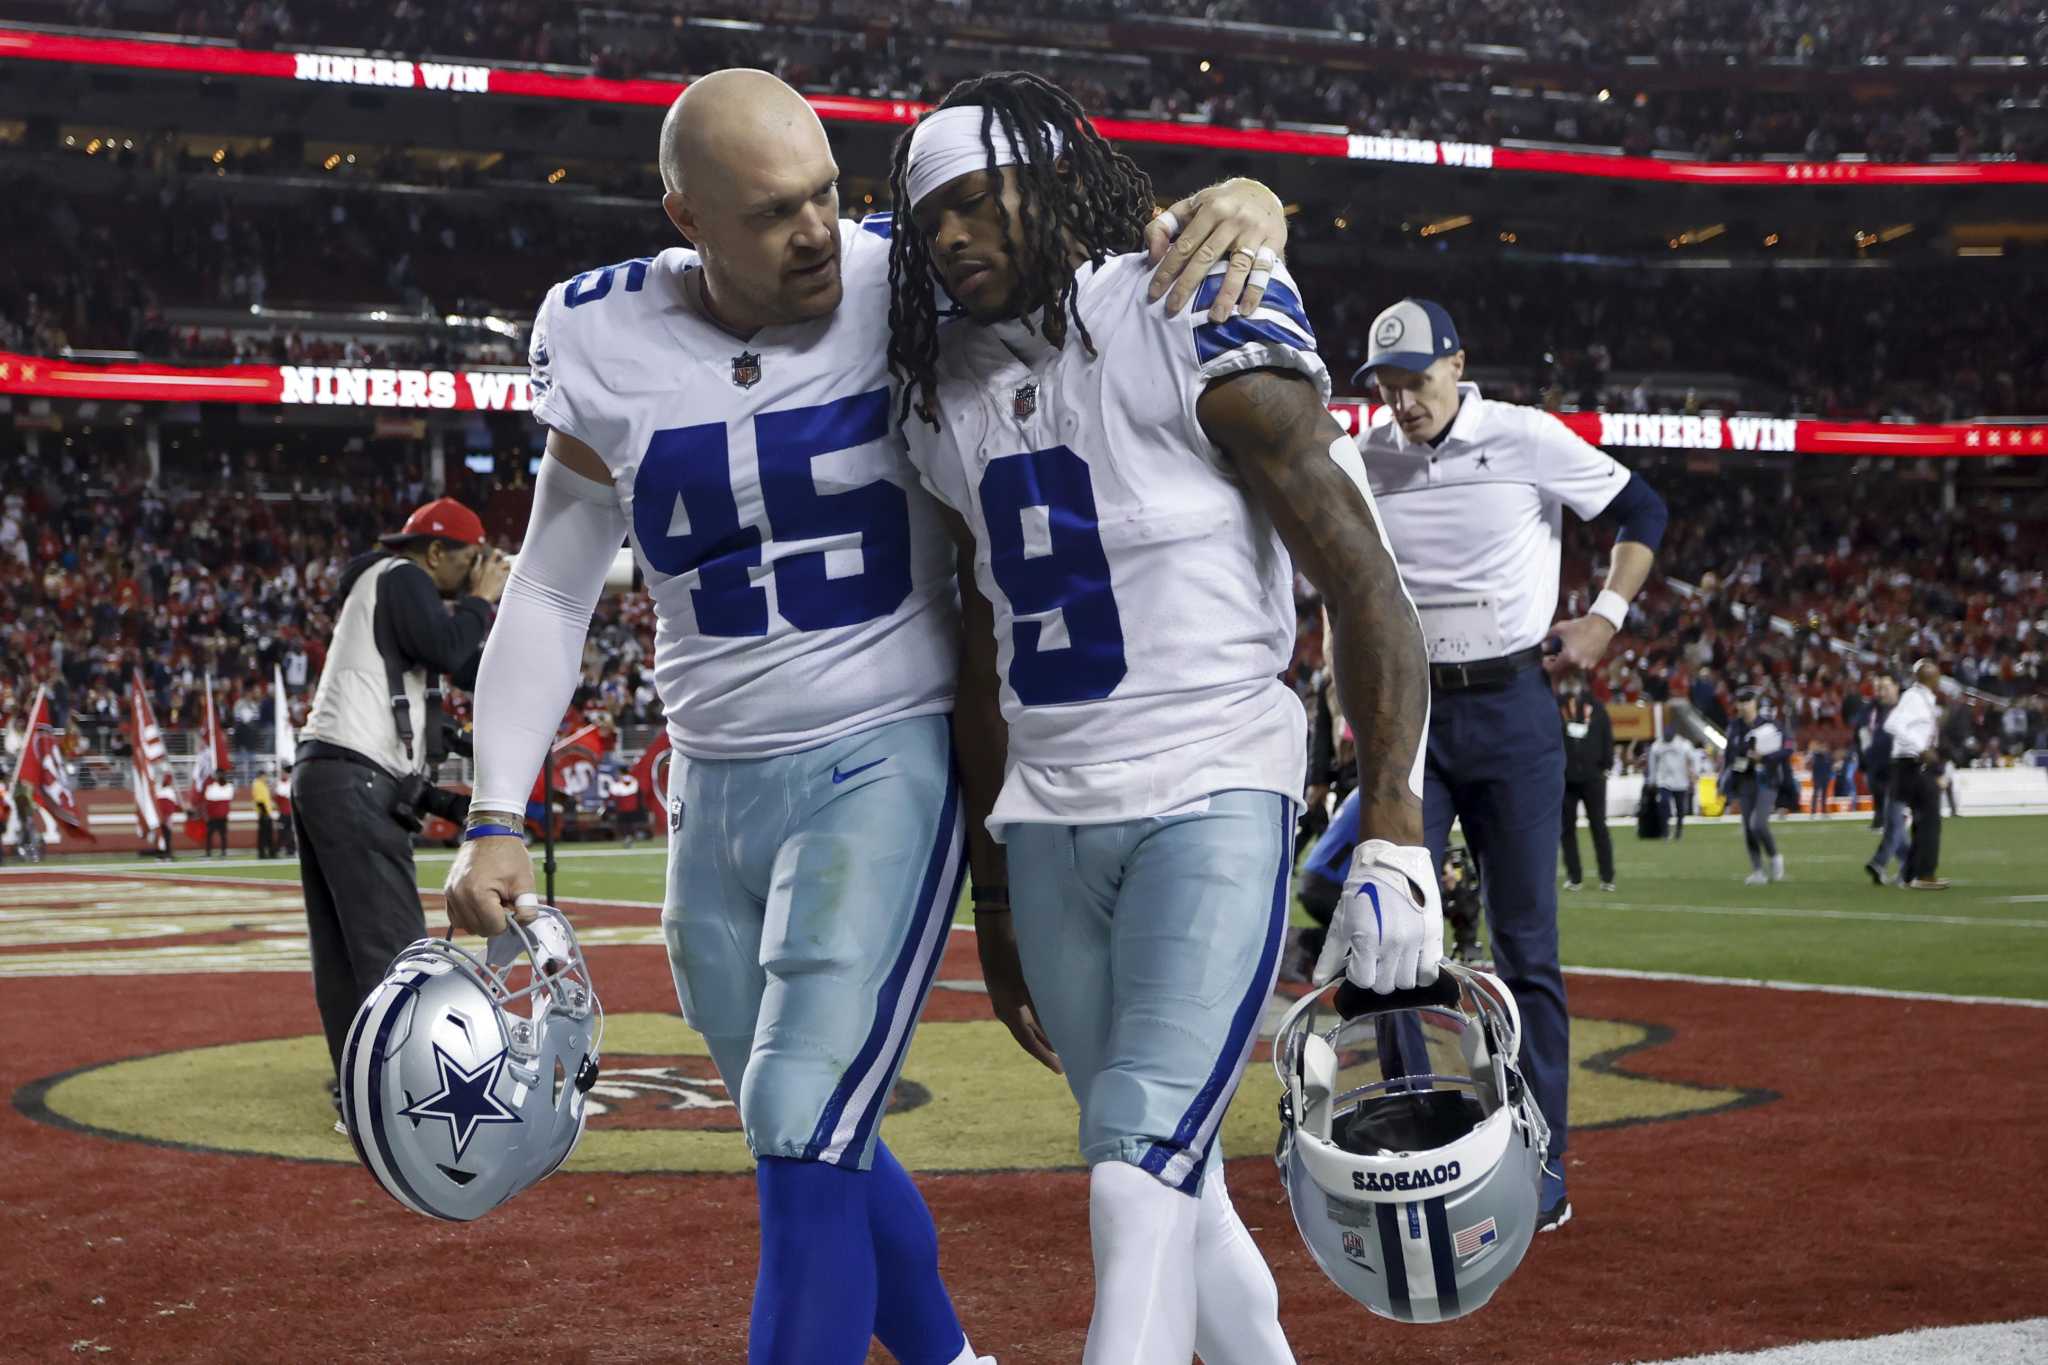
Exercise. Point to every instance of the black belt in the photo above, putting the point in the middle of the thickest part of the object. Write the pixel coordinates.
(320, 748)
(1481, 673)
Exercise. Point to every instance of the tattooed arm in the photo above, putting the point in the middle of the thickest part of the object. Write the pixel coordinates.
(1277, 432)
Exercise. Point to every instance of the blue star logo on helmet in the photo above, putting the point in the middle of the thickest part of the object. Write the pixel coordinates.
(465, 1100)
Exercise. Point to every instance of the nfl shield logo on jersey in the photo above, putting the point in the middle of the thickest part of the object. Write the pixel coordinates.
(746, 369)
(1024, 402)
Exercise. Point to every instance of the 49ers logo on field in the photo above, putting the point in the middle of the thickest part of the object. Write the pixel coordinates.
(685, 1092)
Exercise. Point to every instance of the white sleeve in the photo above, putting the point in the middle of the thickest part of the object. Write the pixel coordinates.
(534, 656)
(1572, 470)
(555, 400)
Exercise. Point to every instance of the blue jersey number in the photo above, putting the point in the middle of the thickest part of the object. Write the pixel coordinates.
(593, 285)
(1046, 552)
(685, 518)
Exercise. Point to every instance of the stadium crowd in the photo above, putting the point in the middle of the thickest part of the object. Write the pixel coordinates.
(1680, 32)
(930, 45)
(1858, 581)
(101, 574)
(227, 566)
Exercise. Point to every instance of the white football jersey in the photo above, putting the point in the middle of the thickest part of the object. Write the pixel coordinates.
(804, 582)
(1144, 605)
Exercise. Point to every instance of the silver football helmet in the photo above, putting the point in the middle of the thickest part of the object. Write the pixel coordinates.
(463, 1080)
(1410, 1147)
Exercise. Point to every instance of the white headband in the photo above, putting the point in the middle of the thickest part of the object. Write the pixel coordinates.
(947, 145)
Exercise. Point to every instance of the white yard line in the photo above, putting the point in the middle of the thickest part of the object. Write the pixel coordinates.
(1991, 1343)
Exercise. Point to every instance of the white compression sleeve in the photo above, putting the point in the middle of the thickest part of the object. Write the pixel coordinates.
(534, 656)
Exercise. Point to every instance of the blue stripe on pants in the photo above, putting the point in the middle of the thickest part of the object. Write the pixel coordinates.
(940, 870)
(1244, 1025)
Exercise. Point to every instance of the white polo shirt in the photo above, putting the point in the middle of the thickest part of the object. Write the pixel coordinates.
(1477, 521)
(1912, 722)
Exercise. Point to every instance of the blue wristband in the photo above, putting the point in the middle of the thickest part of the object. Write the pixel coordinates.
(490, 831)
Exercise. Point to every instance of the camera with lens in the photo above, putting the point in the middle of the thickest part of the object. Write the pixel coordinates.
(418, 798)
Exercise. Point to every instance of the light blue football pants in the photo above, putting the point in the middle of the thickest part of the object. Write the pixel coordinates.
(1151, 947)
(809, 899)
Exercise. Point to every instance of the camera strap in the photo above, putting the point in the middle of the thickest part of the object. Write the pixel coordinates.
(386, 635)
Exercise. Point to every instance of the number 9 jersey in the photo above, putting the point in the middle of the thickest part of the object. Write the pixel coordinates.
(804, 584)
(1144, 605)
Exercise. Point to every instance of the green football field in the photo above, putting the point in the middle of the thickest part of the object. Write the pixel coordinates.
(1682, 907)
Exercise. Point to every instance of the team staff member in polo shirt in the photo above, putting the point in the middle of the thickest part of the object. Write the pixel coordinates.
(1914, 726)
(1473, 494)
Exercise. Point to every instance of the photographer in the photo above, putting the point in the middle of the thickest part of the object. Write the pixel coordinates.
(362, 785)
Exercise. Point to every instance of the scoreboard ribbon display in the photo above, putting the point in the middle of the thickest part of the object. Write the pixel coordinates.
(510, 390)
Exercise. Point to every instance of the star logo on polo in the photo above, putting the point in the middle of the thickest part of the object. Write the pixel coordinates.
(465, 1100)
(746, 369)
(1024, 401)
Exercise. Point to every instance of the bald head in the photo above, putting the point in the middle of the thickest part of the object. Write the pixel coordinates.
(1926, 672)
(751, 184)
(736, 118)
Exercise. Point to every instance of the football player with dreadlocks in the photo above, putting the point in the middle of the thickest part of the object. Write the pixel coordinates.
(1130, 482)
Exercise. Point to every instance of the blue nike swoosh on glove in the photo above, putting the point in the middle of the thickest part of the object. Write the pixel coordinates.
(838, 777)
(1372, 893)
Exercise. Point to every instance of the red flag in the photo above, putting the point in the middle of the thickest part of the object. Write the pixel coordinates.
(154, 787)
(42, 768)
(651, 772)
(574, 759)
(212, 759)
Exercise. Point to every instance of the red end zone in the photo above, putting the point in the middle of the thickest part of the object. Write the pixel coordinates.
(1888, 1183)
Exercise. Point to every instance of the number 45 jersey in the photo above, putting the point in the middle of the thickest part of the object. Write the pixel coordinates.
(1144, 605)
(804, 584)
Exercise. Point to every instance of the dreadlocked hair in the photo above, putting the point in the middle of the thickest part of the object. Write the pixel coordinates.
(1101, 206)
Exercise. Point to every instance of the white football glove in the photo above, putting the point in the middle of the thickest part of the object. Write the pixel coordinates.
(1388, 932)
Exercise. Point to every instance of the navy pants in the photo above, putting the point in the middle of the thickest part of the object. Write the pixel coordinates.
(1496, 762)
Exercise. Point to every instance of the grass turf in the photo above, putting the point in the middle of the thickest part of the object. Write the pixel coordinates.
(1682, 907)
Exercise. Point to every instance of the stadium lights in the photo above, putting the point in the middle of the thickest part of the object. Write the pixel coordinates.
(1343, 225)
(1771, 240)
(1606, 96)
(1441, 226)
(558, 175)
(1205, 64)
(1695, 236)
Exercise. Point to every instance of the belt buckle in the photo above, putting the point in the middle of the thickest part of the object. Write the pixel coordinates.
(1464, 676)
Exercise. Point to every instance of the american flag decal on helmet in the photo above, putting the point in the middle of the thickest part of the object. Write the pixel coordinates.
(1468, 1240)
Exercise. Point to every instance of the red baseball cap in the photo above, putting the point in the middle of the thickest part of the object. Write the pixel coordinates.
(443, 519)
